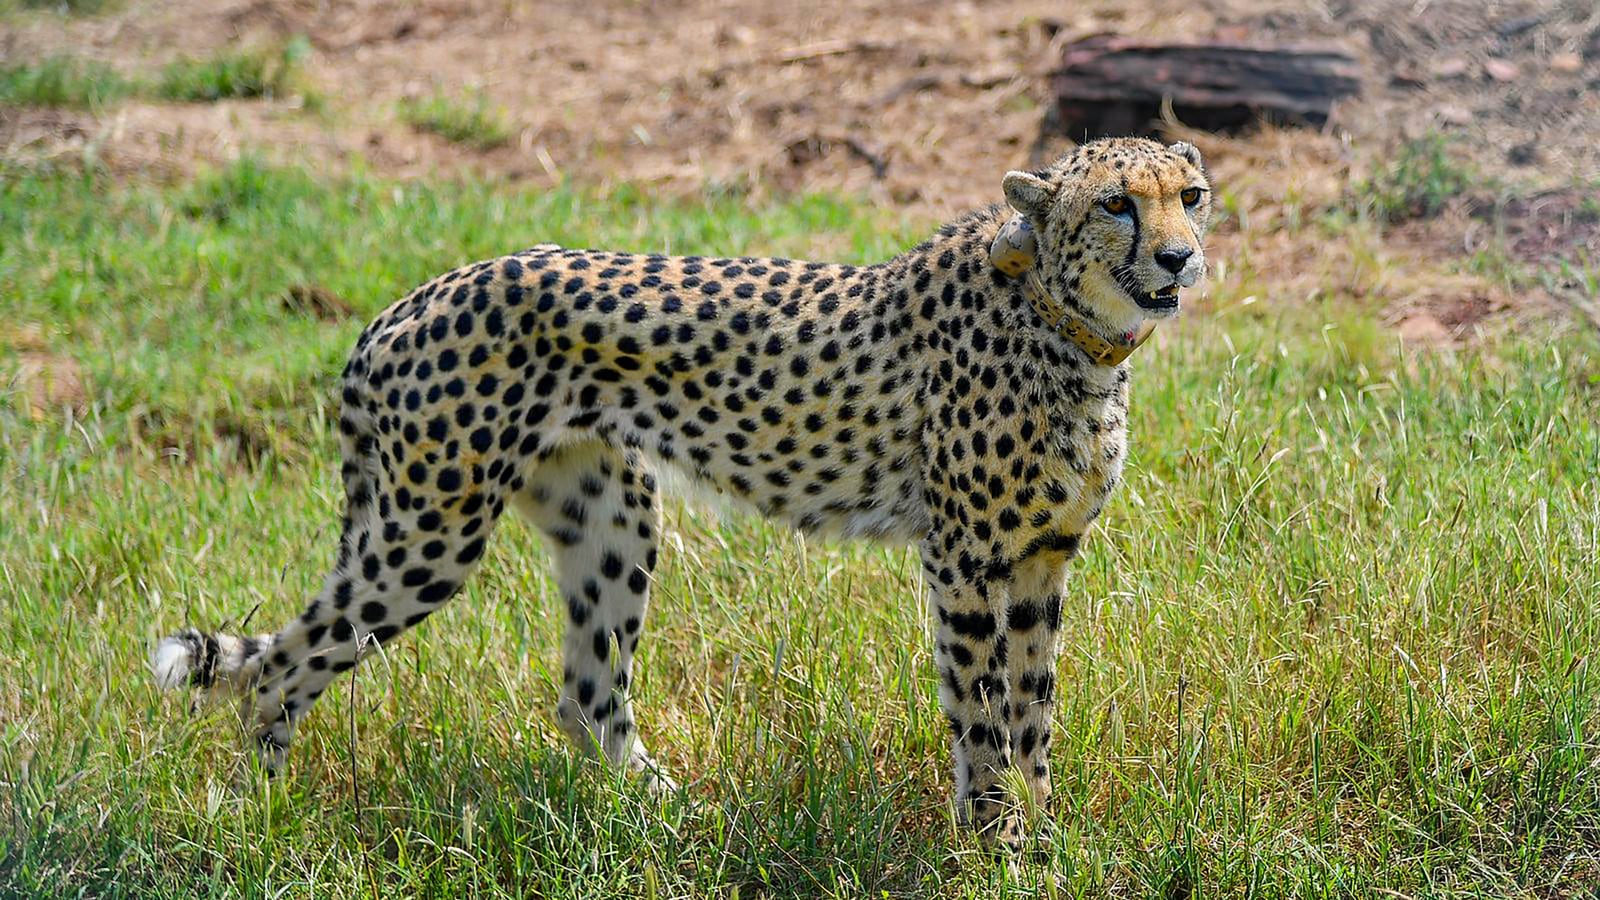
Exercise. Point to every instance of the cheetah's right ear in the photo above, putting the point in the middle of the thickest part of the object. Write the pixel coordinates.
(1027, 193)
(1187, 151)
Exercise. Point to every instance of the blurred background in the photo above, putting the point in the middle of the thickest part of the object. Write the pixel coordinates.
(1470, 140)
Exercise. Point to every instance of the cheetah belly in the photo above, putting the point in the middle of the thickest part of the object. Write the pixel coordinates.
(847, 479)
(847, 509)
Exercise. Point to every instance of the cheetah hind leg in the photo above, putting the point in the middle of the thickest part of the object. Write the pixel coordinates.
(397, 564)
(601, 519)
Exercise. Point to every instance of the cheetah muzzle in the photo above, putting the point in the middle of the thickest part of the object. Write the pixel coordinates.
(954, 397)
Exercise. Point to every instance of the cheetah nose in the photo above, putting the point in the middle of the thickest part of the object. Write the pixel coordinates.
(1173, 258)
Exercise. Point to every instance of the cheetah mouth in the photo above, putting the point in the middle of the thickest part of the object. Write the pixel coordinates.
(1165, 298)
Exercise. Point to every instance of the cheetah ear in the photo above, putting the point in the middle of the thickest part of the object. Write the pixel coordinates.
(1027, 193)
(1187, 151)
(1014, 246)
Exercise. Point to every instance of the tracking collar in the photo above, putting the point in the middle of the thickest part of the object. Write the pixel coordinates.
(1013, 253)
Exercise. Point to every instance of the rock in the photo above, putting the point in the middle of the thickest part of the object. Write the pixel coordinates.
(1523, 154)
(1513, 27)
(735, 34)
(1408, 76)
(1566, 62)
(1501, 70)
(1114, 84)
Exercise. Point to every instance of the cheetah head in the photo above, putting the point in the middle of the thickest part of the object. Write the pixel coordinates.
(1119, 224)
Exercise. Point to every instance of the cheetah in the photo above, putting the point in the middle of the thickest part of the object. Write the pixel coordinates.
(969, 396)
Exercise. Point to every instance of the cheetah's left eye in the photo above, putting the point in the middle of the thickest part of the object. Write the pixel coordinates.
(1190, 196)
(1117, 206)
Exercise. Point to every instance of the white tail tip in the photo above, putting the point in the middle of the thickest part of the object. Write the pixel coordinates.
(171, 662)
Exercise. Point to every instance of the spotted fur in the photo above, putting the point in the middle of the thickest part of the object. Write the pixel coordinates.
(920, 400)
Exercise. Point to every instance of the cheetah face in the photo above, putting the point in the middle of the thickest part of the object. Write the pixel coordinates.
(1119, 225)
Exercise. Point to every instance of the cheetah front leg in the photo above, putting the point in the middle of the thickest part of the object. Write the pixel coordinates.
(970, 651)
(1033, 623)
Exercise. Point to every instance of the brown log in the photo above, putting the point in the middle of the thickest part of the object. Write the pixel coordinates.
(1116, 85)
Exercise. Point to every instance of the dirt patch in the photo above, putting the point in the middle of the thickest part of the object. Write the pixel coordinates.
(318, 302)
(242, 445)
(28, 135)
(42, 383)
(1514, 79)
(918, 106)
(50, 383)
(1452, 314)
(1551, 226)
(941, 99)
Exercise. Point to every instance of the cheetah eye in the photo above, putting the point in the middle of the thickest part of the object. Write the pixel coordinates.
(1190, 196)
(1117, 206)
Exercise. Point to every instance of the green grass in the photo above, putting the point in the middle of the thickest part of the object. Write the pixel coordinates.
(242, 74)
(68, 7)
(63, 81)
(462, 120)
(1367, 581)
(1422, 177)
(239, 74)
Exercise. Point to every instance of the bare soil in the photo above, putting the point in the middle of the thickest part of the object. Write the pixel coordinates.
(914, 105)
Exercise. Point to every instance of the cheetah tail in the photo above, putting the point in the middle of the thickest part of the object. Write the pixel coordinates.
(195, 658)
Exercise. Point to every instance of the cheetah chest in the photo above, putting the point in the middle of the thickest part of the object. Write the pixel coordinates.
(1078, 471)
